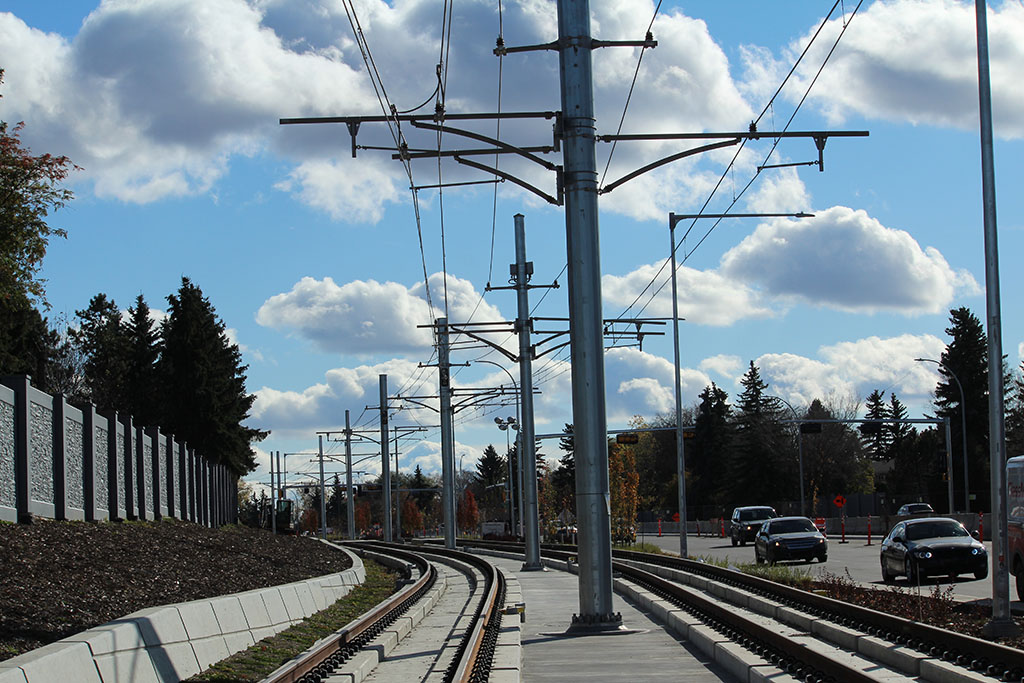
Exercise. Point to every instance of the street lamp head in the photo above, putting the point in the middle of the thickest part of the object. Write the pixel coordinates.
(497, 420)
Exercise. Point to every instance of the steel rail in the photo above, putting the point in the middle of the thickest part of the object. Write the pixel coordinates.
(951, 646)
(317, 660)
(475, 653)
(967, 651)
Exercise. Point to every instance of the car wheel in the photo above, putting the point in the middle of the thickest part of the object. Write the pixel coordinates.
(743, 541)
(982, 573)
(886, 576)
(912, 572)
(757, 557)
(769, 558)
(822, 558)
(734, 543)
(1020, 585)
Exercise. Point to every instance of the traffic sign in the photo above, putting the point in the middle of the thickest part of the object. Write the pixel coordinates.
(675, 517)
(839, 500)
(627, 438)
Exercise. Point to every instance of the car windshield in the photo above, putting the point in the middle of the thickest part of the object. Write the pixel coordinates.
(791, 526)
(919, 507)
(939, 529)
(756, 513)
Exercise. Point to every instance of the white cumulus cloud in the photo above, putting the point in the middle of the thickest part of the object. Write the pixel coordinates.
(846, 260)
(914, 61)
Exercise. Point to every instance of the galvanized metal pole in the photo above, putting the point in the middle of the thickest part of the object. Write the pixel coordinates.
(1002, 621)
(528, 450)
(949, 465)
(273, 495)
(398, 493)
(585, 317)
(800, 455)
(385, 458)
(350, 504)
(323, 498)
(447, 435)
(680, 453)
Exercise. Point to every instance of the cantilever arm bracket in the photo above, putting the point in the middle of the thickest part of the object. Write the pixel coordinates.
(512, 179)
(667, 160)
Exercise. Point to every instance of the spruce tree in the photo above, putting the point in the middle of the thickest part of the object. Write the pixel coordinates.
(759, 466)
(710, 449)
(563, 479)
(492, 475)
(877, 442)
(966, 357)
(204, 400)
(102, 340)
(141, 351)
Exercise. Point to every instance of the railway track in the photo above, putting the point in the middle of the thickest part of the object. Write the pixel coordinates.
(808, 636)
(418, 568)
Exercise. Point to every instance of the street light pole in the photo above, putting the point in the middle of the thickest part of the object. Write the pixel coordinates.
(504, 425)
(963, 424)
(800, 451)
(673, 219)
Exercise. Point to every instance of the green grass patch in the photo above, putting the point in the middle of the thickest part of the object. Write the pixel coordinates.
(708, 559)
(260, 660)
(784, 574)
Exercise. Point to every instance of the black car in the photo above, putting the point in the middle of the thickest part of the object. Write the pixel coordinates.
(789, 538)
(747, 520)
(932, 546)
(915, 509)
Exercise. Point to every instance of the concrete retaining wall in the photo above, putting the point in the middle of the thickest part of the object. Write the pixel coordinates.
(174, 642)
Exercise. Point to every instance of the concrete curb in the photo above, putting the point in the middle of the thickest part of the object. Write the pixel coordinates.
(173, 642)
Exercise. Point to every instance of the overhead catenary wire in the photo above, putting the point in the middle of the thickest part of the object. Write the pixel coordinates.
(629, 95)
(725, 174)
(394, 127)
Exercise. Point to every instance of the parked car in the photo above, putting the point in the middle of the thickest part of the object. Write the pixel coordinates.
(932, 546)
(789, 538)
(747, 520)
(915, 509)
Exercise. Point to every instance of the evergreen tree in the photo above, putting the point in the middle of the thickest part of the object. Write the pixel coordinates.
(710, 449)
(101, 338)
(141, 352)
(419, 481)
(759, 466)
(563, 479)
(876, 443)
(966, 357)
(25, 342)
(491, 475)
(204, 400)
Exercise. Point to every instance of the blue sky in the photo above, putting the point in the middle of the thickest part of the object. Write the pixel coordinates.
(312, 258)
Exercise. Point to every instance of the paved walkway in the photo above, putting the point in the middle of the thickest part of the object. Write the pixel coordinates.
(653, 654)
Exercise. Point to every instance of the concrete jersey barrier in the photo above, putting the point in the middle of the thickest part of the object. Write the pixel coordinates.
(174, 642)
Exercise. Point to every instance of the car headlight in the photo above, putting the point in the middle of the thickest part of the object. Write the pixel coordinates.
(977, 551)
(820, 541)
(923, 554)
(749, 528)
(777, 544)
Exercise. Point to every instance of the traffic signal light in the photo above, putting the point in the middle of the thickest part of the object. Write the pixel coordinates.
(810, 428)
(874, 427)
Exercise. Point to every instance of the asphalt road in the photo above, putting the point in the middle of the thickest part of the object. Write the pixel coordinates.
(855, 557)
